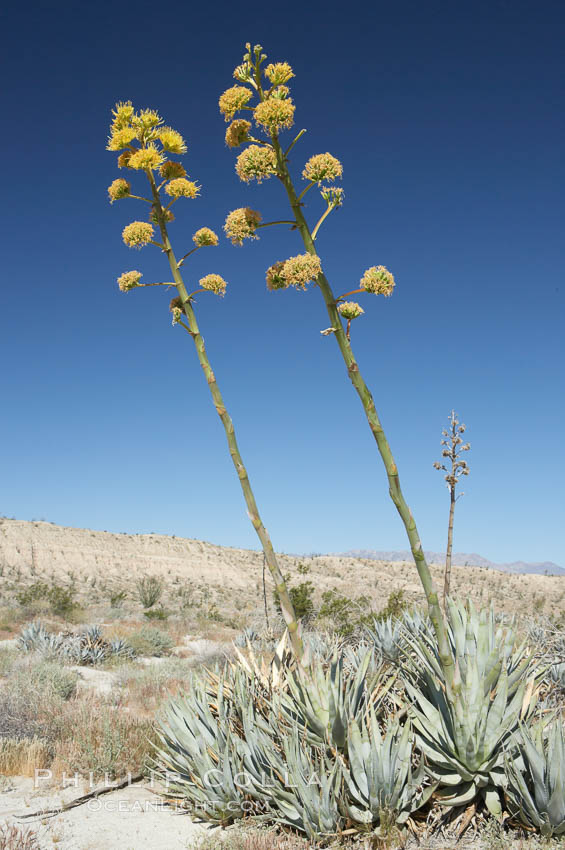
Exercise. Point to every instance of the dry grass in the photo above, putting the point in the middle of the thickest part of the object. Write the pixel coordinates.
(93, 735)
(21, 756)
(14, 838)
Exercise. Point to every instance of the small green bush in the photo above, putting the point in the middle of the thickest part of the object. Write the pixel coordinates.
(156, 614)
(58, 680)
(300, 596)
(60, 599)
(345, 615)
(150, 641)
(149, 589)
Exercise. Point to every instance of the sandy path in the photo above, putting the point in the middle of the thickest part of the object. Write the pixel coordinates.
(132, 818)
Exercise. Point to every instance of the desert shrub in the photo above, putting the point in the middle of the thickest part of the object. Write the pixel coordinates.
(51, 677)
(26, 705)
(301, 596)
(17, 838)
(149, 590)
(21, 756)
(150, 641)
(343, 614)
(156, 614)
(147, 687)
(118, 598)
(61, 600)
(93, 735)
(395, 607)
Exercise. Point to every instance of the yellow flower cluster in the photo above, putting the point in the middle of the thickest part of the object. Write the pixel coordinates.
(121, 138)
(274, 114)
(350, 310)
(147, 119)
(296, 271)
(169, 170)
(182, 188)
(234, 99)
(278, 73)
(322, 166)
(137, 234)
(123, 113)
(237, 132)
(172, 141)
(118, 189)
(204, 238)
(241, 224)
(129, 280)
(213, 283)
(256, 162)
(146, 158)
(378, 281)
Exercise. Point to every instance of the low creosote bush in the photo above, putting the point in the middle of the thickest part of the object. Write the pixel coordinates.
(150, 641)
(60, 600)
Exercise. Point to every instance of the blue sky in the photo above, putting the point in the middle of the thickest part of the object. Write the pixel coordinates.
(448, 119)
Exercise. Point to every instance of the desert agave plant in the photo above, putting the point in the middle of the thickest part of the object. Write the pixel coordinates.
(464, 726)
(557, 675)
(35, 638)
(86, 648)
(536, 779)
(388, 638)
(324, 703)
(380, 779)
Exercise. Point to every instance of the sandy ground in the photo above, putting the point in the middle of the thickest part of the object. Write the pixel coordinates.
(133, 818)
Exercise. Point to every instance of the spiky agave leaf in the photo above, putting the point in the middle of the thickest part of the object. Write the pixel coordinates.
(323, 701)
(198, 759)
(387, 637)
(536, 781)
(380, 779)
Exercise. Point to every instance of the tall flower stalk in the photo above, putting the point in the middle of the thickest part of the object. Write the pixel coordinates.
(273, 113)
(453, 445)
(144, 144)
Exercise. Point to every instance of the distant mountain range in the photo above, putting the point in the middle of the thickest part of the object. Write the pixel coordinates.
(461, 559)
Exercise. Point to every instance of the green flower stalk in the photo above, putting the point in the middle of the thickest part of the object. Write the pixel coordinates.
(143, 143)
(263, 159)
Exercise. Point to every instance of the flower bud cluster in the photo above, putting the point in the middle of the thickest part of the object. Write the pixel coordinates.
(378, 281)
(296, 271)
(322, 166)
(137, 234)
(256, 162)
(242, 224)
(204, 238)
(213, 283)
(129, 280)
(350, 310)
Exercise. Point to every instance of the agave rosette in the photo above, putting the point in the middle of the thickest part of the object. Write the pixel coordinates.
(463, 729)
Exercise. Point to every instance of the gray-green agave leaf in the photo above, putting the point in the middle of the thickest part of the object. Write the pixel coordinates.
(536, 781)
(380, 778)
